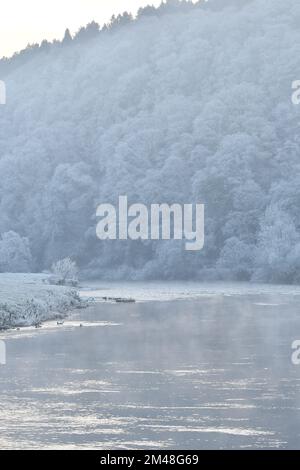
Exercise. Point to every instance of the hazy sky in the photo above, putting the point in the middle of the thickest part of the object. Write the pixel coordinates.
(28, 21)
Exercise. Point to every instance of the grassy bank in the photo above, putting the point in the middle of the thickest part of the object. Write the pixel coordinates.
(29, 299)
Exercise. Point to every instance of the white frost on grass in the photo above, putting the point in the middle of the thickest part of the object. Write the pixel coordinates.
(29, 299)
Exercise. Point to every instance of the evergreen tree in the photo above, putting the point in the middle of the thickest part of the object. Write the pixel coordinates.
(67, 37)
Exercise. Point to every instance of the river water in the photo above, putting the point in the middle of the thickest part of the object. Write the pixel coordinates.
(186, 367)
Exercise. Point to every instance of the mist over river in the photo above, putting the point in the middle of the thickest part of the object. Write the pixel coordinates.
(188, 366)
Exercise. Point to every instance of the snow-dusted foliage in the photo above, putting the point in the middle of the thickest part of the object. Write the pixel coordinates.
(65, 270)
(185, 104)
(29, 300)
(15, 254)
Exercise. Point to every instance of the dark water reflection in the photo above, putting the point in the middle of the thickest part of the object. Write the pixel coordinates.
(209, 373)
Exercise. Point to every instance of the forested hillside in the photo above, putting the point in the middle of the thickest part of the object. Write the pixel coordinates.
(184, 104)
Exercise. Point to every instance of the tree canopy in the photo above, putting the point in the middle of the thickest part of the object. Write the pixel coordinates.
(185, 104)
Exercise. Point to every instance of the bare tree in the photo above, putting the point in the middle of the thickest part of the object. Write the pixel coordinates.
(66, 270)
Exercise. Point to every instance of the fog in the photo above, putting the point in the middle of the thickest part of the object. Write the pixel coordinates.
(189, 374)
(186, 104)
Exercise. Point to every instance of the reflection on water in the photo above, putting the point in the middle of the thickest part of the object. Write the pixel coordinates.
(211, 372)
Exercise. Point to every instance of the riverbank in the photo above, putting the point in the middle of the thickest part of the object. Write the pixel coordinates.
(30, 299)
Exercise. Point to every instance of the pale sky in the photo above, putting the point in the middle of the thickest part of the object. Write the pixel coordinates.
(30, 21)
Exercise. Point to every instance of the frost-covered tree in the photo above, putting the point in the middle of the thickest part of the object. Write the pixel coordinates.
(236, 260)
(15, 255)
(277, 256)
(88, 32)
(65, 270)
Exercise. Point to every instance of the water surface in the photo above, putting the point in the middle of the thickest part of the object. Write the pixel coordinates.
(212, 370)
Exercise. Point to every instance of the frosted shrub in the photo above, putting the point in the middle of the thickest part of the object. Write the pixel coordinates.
(66, 271)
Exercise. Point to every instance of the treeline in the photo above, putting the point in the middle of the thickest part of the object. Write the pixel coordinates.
(189, 107)
(93, 29)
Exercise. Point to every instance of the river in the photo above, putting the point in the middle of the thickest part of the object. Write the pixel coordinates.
(187, 366)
